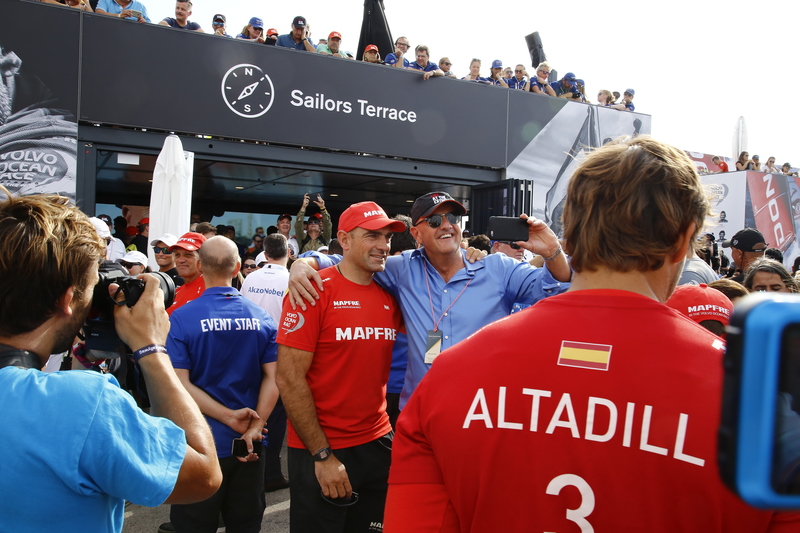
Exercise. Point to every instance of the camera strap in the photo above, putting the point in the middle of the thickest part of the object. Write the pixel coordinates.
(10, 356)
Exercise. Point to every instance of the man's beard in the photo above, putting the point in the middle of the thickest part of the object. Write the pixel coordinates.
(66, 334)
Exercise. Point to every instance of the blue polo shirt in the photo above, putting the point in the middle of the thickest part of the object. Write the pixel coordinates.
(391, 59)
(287, 41)
(556, 85)
(514, 83)
(110, 6)
(222, 339)
(630, 106)
(427, 68)
(173, 23)
(496, 284)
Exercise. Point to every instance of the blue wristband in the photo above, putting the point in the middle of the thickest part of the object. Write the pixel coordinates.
(147, 350)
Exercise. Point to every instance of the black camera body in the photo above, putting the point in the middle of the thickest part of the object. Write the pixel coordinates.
(101, 336)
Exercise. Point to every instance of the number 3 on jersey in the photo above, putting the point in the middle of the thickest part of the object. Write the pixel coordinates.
(587, 499)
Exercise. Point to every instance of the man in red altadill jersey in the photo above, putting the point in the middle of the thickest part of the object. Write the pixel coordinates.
(607, 419)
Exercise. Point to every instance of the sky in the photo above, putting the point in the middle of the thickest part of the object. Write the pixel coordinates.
(696, 66)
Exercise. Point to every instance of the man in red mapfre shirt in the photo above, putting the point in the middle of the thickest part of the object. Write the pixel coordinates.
(187, 261)
(333, 365)
(606, 419)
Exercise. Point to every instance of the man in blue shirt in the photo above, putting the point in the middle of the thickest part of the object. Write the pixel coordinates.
(518, 80)
(444, 298)
(298, 39)
(401, 46)
(223, 350)
(566, 86)
(627, 101)
(218, 24)
(183, 10)
(132, 10)
(429, 69)
(496, 74)
(108, 450)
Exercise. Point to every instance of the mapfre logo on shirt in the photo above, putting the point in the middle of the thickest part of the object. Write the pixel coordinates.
(346, 304)
(292, 321)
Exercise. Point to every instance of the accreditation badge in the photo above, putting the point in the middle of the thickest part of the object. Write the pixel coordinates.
(433, 347)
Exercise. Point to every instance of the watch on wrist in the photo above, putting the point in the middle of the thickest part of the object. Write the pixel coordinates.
(322, 455)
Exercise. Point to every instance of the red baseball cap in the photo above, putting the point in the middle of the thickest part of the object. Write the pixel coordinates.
(272, 31)
(371, 47)
(190, 241)
(368, 215)
(701, 302)
(335, 34)
(144, 221)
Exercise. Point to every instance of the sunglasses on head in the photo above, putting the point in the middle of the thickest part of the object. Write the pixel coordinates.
(163, 250)
(341, 502)
(435, 221)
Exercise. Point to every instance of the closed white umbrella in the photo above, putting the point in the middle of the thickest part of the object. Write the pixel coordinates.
(171, 195)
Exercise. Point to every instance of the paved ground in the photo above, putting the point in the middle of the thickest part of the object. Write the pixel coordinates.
(276, 517)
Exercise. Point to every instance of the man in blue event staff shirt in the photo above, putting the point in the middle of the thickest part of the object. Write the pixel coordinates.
(401, 46)
(627, 101)
(223, 349)
(565, 87)
(429, 69)
(444, 298)
(132, 9)
(298, 39)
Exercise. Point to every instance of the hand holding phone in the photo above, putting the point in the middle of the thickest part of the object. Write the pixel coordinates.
(239, 448)
(508, 229)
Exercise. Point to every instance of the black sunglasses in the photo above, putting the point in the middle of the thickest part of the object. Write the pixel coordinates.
(128, 265)
(435, 221)
(163, 250)
(250, 265)
(513, 245)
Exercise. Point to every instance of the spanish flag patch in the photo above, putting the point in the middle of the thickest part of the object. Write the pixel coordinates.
(584, 355)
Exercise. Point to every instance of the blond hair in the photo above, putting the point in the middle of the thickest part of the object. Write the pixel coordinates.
(48, 246)
(629, 203)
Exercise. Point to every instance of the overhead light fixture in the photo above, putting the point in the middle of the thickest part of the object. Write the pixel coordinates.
(333, 194)
(238, 187)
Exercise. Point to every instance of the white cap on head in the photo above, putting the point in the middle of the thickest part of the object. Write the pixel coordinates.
(168, 238)
(261, 258)
(101, 227)
(135, 257)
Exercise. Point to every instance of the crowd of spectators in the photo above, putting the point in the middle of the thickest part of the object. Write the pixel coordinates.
(745, 162)
(299, 38)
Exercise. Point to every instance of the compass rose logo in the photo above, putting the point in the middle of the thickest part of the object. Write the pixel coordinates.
(247, 90)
